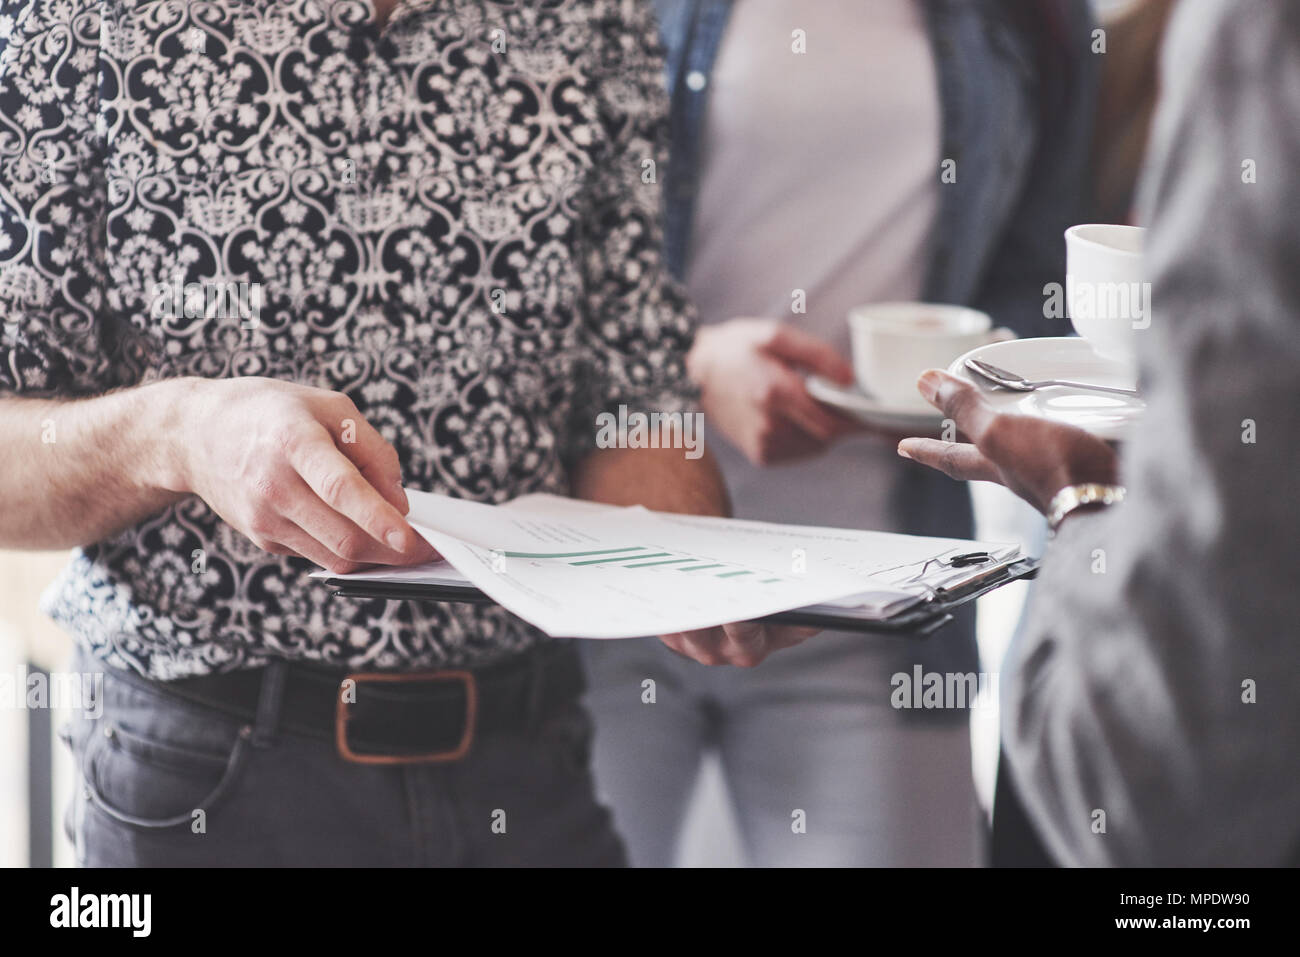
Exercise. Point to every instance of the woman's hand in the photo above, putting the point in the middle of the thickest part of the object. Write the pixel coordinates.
(744, 643)
(1033, 457)
(750, 372)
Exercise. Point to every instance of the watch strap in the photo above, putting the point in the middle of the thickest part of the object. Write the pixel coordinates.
(1077, 496)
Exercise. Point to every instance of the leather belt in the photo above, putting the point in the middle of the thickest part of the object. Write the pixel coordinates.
(417, 717)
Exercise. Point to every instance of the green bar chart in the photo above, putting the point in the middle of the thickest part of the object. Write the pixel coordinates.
(648, 556)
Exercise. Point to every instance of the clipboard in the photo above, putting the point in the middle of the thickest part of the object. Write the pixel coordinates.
(919, 620)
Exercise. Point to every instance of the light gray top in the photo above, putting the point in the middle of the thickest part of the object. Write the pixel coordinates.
(1127, 687)
(798, 191)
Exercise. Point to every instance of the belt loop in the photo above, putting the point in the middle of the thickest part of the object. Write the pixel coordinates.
(269, 699)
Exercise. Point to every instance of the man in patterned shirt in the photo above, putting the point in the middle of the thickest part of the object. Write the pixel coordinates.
(261, 264)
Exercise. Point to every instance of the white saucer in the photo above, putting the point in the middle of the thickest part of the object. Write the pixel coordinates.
(1106, 416)
(920, 420)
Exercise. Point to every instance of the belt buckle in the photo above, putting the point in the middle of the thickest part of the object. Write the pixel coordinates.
(434, 757)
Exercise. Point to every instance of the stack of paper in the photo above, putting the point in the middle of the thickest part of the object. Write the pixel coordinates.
(582, 570)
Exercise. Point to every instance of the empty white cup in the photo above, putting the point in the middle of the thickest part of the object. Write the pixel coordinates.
(1106, 293)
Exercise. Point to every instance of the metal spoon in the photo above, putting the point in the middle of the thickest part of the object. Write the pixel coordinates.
(1018, 383)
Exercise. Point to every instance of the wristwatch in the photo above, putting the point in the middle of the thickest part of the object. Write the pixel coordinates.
(1076, 496)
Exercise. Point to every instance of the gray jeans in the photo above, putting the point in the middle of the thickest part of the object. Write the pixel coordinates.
(224, 797)
(810, 730)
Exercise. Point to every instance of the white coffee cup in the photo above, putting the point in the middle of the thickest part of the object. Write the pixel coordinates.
(1106, 293)
(894, 342)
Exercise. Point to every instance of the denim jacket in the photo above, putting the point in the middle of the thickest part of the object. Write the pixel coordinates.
(1019, 138)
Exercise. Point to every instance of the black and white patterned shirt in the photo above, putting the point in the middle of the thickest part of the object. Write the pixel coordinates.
(452, 220)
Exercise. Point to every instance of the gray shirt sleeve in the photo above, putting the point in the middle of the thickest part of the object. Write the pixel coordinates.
(1151, 711)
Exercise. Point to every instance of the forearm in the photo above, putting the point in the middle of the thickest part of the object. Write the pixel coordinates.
(78, 471)
(661, 479)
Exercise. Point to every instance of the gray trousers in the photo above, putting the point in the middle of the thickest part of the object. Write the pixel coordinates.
(820, 769)
(167, 783)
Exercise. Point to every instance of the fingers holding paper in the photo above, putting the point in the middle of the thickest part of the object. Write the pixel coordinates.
(298, 470)
(744, 643)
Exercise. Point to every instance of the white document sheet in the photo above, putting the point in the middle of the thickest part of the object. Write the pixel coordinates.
(582, 570)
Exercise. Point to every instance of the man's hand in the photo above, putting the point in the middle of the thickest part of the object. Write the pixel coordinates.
(750, 372)
(296, 469)
(1033, 457)
(745, 643)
